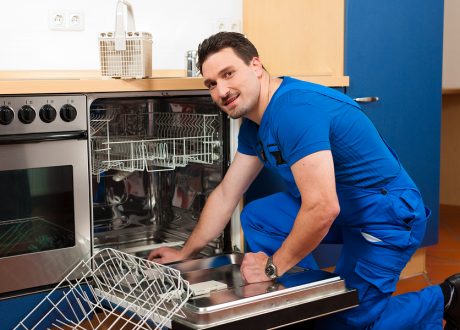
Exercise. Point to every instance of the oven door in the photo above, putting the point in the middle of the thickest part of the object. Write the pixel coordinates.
(44, 210)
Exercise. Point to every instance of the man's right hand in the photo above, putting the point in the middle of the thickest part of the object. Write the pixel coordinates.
(164, 255)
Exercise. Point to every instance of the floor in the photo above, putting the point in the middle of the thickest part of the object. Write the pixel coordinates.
(442, 259)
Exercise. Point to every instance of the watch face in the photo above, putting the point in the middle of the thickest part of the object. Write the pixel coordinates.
(270, 271)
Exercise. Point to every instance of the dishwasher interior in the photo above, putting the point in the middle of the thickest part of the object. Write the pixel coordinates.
(154, 162)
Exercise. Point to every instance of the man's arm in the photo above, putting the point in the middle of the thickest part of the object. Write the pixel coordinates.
(315, 179)
(217, 210)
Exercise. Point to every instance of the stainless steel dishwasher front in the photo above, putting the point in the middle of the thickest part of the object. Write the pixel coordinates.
(297, 296)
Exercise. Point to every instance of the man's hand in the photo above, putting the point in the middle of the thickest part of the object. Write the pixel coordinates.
(253, 267)
(164, 255)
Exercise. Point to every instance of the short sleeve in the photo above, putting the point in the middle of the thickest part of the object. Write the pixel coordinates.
(301, 128)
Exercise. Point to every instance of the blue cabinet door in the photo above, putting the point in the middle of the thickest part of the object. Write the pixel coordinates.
(393, 50)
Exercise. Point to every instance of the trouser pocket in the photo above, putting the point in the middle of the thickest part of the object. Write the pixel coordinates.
(382, 279)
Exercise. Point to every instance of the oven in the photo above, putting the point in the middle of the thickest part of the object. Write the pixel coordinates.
(44, 188)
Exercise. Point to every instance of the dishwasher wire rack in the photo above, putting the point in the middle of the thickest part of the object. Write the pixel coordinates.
(112, 290)
(154, 141)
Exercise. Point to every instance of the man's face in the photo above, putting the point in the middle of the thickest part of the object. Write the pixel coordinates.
(234, 85)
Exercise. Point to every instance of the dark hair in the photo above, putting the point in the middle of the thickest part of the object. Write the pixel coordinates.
(242, 47)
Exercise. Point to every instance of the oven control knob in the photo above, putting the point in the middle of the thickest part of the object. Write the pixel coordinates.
(47, 113)
(6, 115)
(68, 112)
(26, 114)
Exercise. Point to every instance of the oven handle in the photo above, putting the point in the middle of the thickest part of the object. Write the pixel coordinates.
(43, 137)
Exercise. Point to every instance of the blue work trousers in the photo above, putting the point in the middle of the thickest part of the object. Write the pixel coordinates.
(380, 229)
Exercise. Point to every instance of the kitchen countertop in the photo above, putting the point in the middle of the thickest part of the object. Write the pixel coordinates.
(45, 82)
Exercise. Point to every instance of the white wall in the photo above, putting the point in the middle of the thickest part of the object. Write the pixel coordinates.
(27, 43)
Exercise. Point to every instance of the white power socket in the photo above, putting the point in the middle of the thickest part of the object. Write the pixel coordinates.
(228, 24)
(66, 20)
(76, 20)
(57, 20)
(235, 25)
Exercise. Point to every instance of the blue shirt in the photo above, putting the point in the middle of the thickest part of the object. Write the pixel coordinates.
(303, 118)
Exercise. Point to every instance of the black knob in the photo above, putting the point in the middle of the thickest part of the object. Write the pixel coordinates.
(26, 114)
(6, 115)
(68, 112)
(47, 113)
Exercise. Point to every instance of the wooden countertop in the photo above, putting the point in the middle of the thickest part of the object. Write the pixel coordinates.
(47, 82)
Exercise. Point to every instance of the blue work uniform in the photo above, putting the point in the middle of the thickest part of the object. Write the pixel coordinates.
(382, 217)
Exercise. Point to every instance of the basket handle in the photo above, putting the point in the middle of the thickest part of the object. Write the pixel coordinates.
(120, 36)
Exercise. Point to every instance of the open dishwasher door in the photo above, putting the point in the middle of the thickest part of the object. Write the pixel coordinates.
(224, 301)
(117, 290)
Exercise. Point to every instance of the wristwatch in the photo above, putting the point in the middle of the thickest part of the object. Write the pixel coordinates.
(270, 269)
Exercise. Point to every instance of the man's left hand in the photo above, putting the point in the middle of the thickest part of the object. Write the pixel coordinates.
(253, 267)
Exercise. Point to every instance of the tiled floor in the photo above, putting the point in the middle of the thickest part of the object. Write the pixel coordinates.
(442, 259)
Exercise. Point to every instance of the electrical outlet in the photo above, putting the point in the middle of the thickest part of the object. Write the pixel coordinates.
(228, 24)
(221, 25)
(66, 20)
(235, 25)
(75, 21)
(57, 20)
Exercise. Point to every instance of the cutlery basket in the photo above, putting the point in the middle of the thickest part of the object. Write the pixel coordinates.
(125, 54)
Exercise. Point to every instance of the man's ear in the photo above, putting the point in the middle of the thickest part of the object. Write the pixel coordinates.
(257, 66)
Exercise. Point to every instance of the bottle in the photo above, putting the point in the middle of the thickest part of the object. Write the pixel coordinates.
(192, 70)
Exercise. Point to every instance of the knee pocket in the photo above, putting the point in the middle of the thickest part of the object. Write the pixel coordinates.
(376, 280)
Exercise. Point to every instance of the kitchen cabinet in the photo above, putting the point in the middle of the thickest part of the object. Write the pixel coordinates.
(394, 51)
(298, 38)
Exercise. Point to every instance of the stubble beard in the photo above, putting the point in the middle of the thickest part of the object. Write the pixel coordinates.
(234, 113)
(237, 113)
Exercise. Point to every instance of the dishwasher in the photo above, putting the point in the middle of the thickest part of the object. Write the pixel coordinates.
(155, 157)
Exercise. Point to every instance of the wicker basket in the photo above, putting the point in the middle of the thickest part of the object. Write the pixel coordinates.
(125, 54)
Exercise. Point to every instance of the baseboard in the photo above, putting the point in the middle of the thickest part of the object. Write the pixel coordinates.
(416, 265)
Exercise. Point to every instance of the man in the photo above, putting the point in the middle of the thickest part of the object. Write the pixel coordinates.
(345, 186)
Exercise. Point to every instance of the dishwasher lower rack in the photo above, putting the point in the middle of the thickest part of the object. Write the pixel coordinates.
(112, 289)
